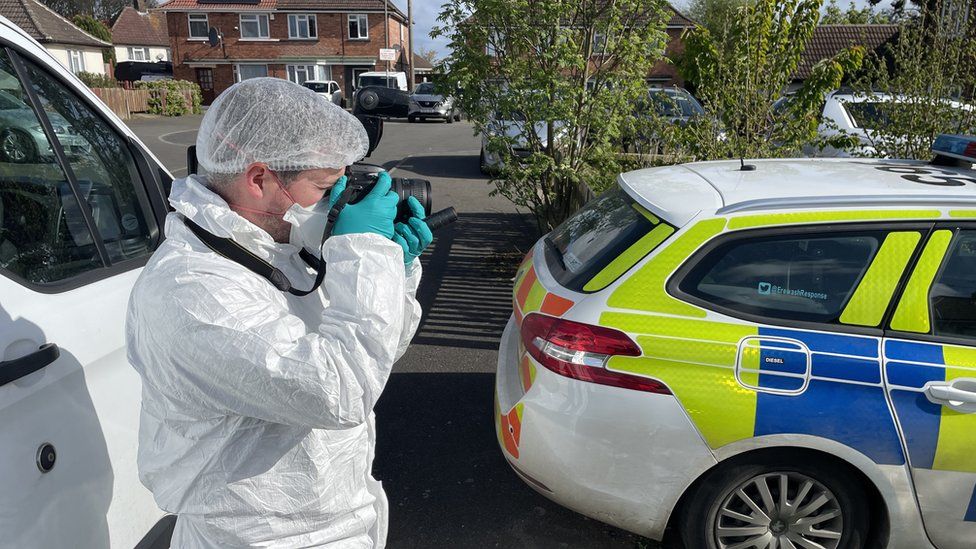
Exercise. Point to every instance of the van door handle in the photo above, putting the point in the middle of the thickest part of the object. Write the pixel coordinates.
(959, 394)
(12, 370)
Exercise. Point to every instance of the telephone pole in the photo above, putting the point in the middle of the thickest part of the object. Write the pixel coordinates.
(413, 81)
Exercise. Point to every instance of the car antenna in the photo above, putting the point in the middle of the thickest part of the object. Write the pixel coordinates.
(743, 167)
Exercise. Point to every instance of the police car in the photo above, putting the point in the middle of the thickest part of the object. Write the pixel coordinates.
(780, 354)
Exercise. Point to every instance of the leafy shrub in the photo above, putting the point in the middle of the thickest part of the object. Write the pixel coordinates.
(168, 99)
(94, 80)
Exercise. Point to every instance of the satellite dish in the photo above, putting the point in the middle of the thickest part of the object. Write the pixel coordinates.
(214, 37)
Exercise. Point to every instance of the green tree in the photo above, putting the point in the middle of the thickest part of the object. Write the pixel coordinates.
(715, 15)
(97, 29)
(565, 75)
(919, 86)
(834, 15)
(742, 78)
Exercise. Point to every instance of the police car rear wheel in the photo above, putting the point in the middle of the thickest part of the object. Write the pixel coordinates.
(776, 506)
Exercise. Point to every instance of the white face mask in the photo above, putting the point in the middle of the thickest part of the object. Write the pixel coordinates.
(308, 225)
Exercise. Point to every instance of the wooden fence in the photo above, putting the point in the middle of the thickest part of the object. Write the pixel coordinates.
(125, 102)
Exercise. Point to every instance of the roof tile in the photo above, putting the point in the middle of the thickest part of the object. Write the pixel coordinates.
(829, 40)
(140, 29)
(46, 26)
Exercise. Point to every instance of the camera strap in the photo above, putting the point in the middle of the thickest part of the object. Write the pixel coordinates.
(229, 249)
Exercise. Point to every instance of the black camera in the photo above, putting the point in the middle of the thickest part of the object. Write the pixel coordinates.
(362, 179)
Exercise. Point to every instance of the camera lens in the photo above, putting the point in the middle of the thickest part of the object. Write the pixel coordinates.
(417, 188)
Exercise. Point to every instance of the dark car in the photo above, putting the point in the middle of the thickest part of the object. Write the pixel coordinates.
(134, 71)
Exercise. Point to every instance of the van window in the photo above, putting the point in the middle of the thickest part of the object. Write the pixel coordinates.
(382, 81)
(794, 277)
(953, 295)
(586, 243)
(44, 237)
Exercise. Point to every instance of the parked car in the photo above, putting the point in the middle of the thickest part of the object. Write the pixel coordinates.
(425, 102)
(513, 130)
(329, 89)
(674, 104)
(383, 79)
(855, 114)
(782, 357)
(75, 232)
(147, 71)
(22, 139)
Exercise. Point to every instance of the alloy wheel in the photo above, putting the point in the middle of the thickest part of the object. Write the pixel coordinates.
(15, 147)
(781, 510)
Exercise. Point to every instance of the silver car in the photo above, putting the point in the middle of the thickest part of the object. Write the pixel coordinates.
(425, 102)
(22, 139)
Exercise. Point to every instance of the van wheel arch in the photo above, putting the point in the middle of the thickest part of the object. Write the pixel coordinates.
(878, 514)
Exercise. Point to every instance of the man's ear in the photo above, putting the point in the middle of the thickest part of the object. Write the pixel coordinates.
(257, 181)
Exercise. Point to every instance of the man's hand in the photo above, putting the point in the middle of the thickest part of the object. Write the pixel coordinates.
(414, 235)
(373, 214)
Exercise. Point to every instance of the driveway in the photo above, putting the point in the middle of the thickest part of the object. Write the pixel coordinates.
(437, 453)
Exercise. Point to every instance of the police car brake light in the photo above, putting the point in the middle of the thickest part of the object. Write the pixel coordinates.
(581, 351)
(962, 147)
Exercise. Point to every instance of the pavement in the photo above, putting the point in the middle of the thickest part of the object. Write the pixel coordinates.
(437, 453)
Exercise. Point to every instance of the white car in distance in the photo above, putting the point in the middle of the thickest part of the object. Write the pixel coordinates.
(329, 89)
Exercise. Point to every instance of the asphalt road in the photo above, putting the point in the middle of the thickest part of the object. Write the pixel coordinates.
(437, 453)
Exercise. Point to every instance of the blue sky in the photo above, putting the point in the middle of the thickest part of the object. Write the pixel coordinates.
(425, 17)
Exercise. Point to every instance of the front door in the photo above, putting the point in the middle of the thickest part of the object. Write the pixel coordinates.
(206, 82)
(930, 371)
(76, 225)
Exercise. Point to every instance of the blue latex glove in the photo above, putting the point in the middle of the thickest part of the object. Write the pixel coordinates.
(373, 214)
(414, 235)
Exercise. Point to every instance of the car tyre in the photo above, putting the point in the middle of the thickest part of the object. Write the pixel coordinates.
(411, 119)
(17, 147)
(722, 502)
(450, 118)
(485, 169)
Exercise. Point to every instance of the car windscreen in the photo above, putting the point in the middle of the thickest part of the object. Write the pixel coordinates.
(869, 115)
(426, 89)
(674, 104)
(586, 243)
(377, 81)
(317, 87)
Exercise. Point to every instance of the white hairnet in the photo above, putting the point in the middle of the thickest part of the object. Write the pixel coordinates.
(285, 125)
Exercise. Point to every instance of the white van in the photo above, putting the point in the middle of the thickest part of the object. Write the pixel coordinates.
(395, 80)
(82, 204)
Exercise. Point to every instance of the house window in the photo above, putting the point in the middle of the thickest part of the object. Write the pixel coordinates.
(358, 27)
(599, 42)
(255, 26)
(245, 72)
(76, 59)
(323, 72)
(302, 27)
(199, 26)
(300, 73)
(138, 54)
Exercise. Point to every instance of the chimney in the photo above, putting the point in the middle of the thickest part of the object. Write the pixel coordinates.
(140, 6)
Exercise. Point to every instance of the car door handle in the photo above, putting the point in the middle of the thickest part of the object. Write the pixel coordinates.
(959, 394)
(12, 370)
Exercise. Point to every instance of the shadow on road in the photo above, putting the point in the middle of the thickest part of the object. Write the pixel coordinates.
(439, 461)
(466, 291)
(447, 166)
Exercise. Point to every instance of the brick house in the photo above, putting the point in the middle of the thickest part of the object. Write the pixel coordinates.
(664, 73)
(293, 39)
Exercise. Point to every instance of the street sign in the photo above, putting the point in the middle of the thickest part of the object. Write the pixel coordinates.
(387, 54)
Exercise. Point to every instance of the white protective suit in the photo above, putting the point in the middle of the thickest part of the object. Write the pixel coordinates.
(257, 426)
